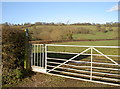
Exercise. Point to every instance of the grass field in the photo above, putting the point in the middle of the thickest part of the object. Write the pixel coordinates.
(93, 43)
(96, 35)
(107, 51)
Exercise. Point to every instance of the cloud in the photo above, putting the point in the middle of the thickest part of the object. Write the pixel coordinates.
(115, 8)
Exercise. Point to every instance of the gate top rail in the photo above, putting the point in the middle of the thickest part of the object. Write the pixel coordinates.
(83, 46)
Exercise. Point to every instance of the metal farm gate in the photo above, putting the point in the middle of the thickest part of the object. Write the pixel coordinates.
(88, 63)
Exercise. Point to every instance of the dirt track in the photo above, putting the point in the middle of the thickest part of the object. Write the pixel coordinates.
(44, 80)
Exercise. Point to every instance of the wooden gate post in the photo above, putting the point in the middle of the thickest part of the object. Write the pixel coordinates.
(27, 52)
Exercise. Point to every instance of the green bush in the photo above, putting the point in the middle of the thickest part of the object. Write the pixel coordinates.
(13, 53)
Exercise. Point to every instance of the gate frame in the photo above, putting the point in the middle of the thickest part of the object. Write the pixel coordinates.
(91, 62)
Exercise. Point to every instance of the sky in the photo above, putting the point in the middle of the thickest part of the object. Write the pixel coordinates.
(59, 12)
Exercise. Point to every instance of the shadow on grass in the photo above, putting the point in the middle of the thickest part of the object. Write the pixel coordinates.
(39, 58)
(63, 56)
(66, 56)
(28, 73)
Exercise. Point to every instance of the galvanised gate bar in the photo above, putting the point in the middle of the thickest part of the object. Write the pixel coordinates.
(88, 63)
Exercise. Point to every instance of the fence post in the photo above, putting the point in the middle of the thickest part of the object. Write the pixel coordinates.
(46, 57)
(31, 55)
(91, 63)
(27, 51)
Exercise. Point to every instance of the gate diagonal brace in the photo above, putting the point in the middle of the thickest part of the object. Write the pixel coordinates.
(106, 56)
(69, 59)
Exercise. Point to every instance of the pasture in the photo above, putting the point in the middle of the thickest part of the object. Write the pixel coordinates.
(88, 43)
(93, 43)
(96, 35)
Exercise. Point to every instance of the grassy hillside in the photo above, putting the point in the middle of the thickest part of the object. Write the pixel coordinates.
(70, 32)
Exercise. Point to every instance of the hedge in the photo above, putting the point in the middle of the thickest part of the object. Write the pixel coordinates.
(13, 54)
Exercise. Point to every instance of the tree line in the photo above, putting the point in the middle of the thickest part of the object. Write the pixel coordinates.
(107, 24)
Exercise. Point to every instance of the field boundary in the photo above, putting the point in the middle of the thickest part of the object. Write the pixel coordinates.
(51, 41)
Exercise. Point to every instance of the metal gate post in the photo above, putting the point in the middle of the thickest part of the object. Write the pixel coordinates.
(91, 63)
(31, 53)
(46, 57)
(34, 54)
